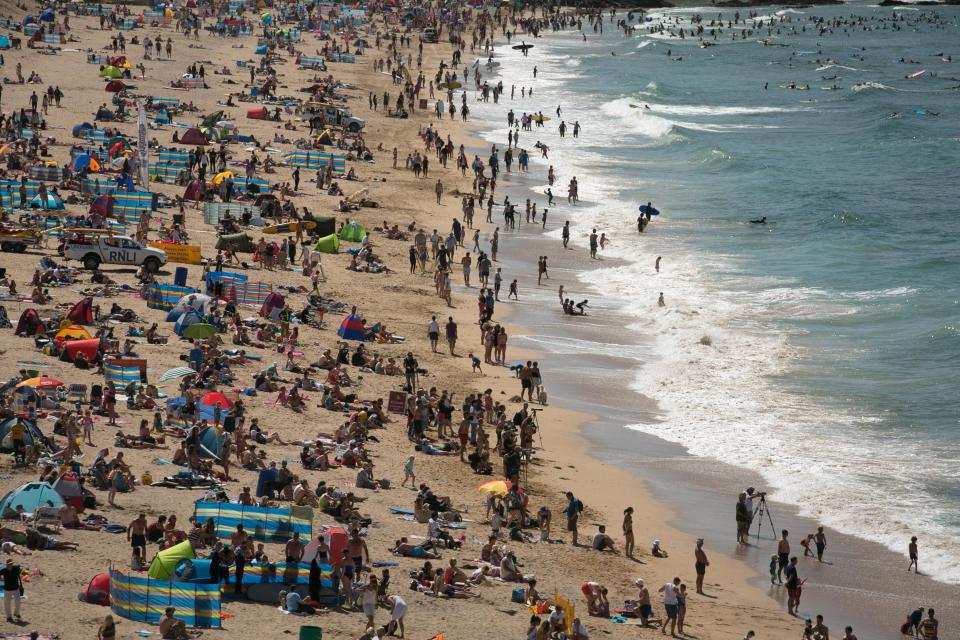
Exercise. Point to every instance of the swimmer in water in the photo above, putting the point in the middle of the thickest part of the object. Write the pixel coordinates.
(762, 220)
(656, 265)
(660, 301)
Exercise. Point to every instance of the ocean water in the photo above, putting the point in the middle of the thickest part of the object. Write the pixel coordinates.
(832, 332)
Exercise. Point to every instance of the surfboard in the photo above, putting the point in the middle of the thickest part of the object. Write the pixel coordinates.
(450, 85)
(540, 118)
(289, 227)
(916, 74)
(521, 47)
(644, 208)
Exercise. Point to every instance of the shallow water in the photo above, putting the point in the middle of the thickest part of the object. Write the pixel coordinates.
(834, 329)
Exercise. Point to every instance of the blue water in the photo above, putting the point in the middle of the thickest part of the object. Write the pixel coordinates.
(823, 348)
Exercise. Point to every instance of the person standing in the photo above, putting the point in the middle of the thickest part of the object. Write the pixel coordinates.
(137, 536)
(929, 628)
(670, 604)
(821, 541)
(701, 564)
(438, 188)
(565, 234)
(573, 510)
(433, 332)
(13, 590)
(912, 550)
(783, 554)
(451, 329)
(593, 244)
(793, 587)
(628, 540)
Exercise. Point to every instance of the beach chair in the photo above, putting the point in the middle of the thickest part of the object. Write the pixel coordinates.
(48, 517)
(78, 392)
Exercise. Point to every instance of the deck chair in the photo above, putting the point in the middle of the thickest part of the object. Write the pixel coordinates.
(46, 517)
(78, 392)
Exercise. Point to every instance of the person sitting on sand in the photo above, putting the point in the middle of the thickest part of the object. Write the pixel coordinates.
(602, 541)
(510, 568)
(657, 551)
(172, 628)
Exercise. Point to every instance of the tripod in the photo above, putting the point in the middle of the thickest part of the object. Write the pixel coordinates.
(764, 510)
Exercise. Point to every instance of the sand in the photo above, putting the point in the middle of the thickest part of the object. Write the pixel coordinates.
(405, 303)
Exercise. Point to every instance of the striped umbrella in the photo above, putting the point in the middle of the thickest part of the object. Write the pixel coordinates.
(176, 372)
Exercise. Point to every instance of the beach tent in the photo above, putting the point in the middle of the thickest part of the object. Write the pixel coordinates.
(68, 486)
(353, 232)
(31, 433)
(211, 441)
(325, 137)
(195, 190)
(351, 328)
(242, 242)
(328, 244)
(166, 561)
(80, 129)
(212, 119)
(4, 42)
(29, 324)
(336, 539)
(114, 86)
(88, 348)
(220, 177)
(48, 15)
(193, 136)
(83, 162)
(29, 498)
(257, 113)
(184, 321)
(103, 205)
(196, 302)
(82, 312)
(273, 301)
(54, 202)
(71, 332)
(111, 72)
(97, 590)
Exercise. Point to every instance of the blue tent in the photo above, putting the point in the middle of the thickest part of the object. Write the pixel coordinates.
(184, 321)
(80, 128)
(29, 498)
(211, 441)
(125, 181)
(80, 163)
(53, 202)
(4, 42)
(29, 20)
(31, 433)
(48, 15)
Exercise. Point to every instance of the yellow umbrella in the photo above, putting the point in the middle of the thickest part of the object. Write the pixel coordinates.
(220, 177)
(496, 487)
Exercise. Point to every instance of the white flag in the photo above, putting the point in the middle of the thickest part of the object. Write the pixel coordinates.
(143, 149)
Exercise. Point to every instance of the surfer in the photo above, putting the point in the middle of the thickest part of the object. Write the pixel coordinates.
(656, 265)
(762, 220)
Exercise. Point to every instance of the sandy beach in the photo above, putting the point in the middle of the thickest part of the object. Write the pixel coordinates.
(735, 599)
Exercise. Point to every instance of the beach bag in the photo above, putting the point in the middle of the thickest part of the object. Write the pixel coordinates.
(905, 627)
(519, 594)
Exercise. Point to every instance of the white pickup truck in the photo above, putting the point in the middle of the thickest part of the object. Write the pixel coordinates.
(94, 249)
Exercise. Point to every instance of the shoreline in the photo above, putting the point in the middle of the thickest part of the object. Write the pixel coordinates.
(868, 575)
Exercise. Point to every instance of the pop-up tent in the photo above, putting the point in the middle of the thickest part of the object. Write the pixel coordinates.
(29, 324)
(195, 190)
(166, 561)
(273, 301)
(211, 440)
(97, 590)
(54, 202)
(68, 486)
(71, 332)
(353, 232)
(85, 162)
(193, 136)
(185, 320)
(79, 130)
(31, 434)
(111, 72)
(257, 113)
(328, 244)
(103, 205)
(196, 302)
(28, 498)
(88, 348)
(82, 312)
(351, 328)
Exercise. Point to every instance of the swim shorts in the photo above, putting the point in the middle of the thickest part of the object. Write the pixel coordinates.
(783, 559)
(671, 611)
(138, 540)
(701, 568)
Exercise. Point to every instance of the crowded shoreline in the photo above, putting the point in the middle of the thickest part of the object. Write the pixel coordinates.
(405, 304)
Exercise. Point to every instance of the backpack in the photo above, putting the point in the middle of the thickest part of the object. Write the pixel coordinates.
(579, 506)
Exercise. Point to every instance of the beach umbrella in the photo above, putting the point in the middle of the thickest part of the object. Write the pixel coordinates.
(496, 487)
(176, 373)
(115, 86)
(41, 382)
(199, 330)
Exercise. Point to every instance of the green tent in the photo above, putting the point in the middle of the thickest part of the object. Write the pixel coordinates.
(110, 72)
(242, 242)
(212, 119)
(199, 330)
(328, 244)
(353, 232)
(166, 561)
